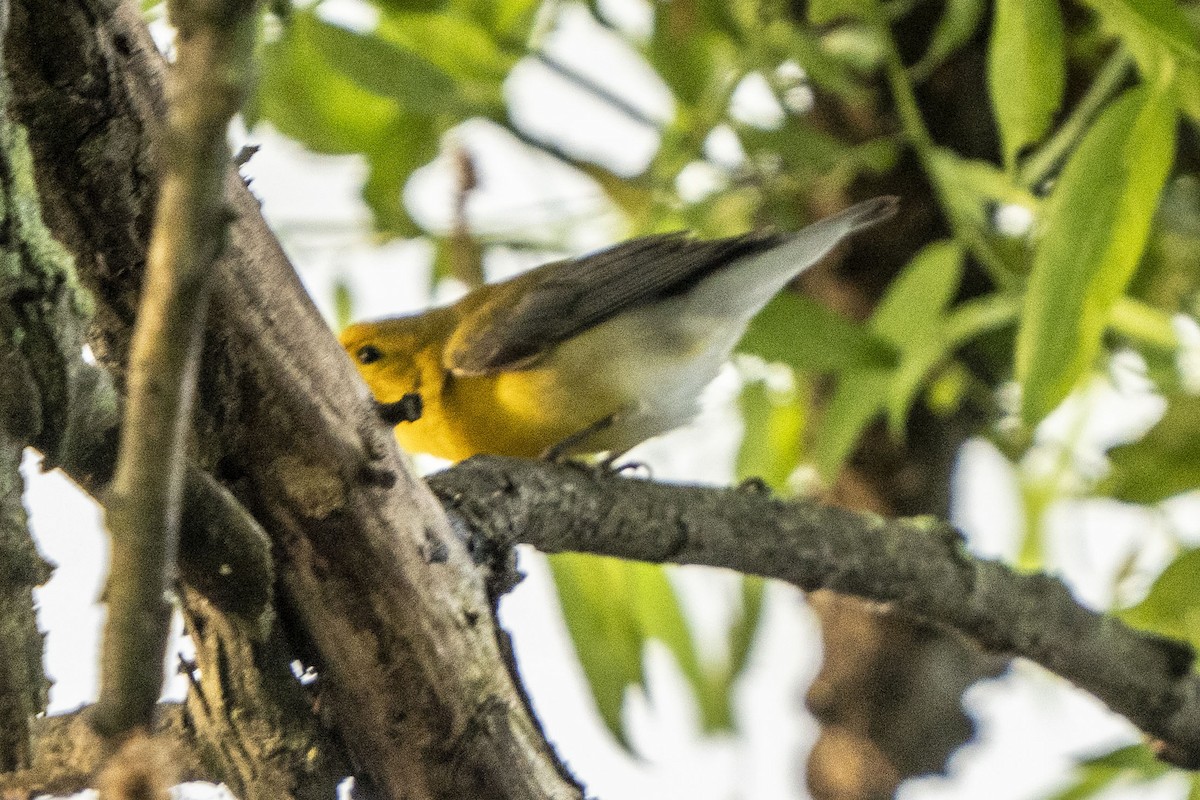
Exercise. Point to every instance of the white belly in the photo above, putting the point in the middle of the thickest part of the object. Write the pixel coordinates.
(660, 359)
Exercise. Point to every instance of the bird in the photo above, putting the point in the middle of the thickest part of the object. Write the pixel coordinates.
(587, 355)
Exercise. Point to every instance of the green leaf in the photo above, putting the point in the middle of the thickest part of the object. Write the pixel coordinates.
(923, 354)
(387, 70)
(693, 57)
(823, 67)
(914, 302)
(1164, 462)
(612, 608)
(808, 337)
(859, 398)
(1026, 71)
(822, 12)
(1173, 606)
(954, 29)
(1096, 226)
(305, 98)
(978, 316)
(410, 5)
(604, 630)
(741, 635)
(635, 197)
(1134, 762)
(510, 21)
(971, 188)
(410, 142)
(309, 98)
(910, 316)
(797, 143)
(772, 444)
(457, 47)
(1161, 19)
(343, 304)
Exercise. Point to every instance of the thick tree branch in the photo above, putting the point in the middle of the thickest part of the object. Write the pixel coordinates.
(251, 720)
(918, 566)
(41, 324)
(374, 588)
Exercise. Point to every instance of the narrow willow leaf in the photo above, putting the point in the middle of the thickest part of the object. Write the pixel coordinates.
(970, 190)
(1132, 763)
(971, 319)
(774, 427)
(595, 596)
(1026, 71)
(343, 303)
(808, 337)
(612, 609)
(410, 5)
(1164, 20)
(914, 302)
(388, 70)
(954, 29)
(741, 634)
(1173, 606)
(910, 316)
(690, 53)
(1096, 226)
(821, 12)
(1164, 462)
(660, 617)
(858, 400)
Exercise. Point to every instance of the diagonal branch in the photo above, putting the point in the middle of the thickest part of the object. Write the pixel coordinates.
(373, 588)
(919, 566)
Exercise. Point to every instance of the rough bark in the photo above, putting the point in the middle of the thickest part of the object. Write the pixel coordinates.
(916, 566)
(69, 755)
(41, 310)
(373, 586)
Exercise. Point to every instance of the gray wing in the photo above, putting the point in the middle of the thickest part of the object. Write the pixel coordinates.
(558, 301)
(569, 297)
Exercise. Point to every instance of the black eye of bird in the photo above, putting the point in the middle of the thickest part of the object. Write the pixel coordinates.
(368, 354)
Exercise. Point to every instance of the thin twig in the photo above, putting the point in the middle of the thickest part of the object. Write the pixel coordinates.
(466, 256)
(214, 44)
(913, 126)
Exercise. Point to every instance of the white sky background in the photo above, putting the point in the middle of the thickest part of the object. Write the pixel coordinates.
(1032, 724)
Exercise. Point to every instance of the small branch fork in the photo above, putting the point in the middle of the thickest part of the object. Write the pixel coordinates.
(918, 566)
(214, 46)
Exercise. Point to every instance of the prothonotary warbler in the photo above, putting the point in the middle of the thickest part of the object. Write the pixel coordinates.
(598, 353)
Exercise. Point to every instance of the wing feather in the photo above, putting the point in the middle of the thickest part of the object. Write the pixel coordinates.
(518, 322)
(565, 298)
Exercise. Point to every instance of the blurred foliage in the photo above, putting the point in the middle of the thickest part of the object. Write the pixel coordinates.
(1047, 156)
(1173, 605)
(611, 645)
(1130, 765)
